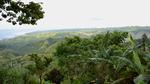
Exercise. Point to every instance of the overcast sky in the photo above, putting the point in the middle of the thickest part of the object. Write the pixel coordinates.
(91, 13)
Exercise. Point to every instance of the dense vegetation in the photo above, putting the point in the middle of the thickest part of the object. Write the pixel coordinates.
(106, 58)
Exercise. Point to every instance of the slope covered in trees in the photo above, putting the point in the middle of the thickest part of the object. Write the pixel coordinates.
(65, 58)
(39, 41)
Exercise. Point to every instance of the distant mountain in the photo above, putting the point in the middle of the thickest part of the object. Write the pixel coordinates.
(11, 33)
(136, 31)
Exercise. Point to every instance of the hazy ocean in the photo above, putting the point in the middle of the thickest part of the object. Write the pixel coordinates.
(11, 33)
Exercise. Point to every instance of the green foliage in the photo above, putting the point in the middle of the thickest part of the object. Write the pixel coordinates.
(41, 65)
(54, 76)
(76, 52)
(136, 58)
(109, 54)
(19, 12)
(108, 58)
(139, 80)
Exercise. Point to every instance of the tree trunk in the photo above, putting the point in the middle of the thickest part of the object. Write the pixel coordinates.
(40, 79)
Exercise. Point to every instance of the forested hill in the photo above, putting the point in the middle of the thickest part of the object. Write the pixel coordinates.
(136, 31)
(77, 56)
(34, 42)
(37, 42)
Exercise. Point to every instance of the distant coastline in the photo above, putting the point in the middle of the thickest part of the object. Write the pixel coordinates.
(12, 33)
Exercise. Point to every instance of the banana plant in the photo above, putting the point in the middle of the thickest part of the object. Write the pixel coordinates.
(136, 58)
(134, 62)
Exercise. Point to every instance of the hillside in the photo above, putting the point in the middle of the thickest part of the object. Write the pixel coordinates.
(78, 56)
(37, 42)
(34, 42)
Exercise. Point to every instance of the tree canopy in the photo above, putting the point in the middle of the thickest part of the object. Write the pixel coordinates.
(18, 12)
(106, 58)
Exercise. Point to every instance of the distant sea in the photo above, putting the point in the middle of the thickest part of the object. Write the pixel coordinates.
(11, 33)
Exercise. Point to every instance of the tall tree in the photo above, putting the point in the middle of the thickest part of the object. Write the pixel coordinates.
(41, 64)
